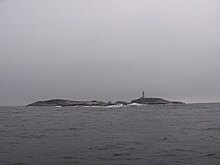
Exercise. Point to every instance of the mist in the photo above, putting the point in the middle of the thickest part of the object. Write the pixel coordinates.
(109, 50)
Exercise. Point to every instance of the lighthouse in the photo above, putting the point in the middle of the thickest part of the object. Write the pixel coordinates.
(142, 94)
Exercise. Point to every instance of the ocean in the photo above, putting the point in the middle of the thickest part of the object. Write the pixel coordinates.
(130, 135)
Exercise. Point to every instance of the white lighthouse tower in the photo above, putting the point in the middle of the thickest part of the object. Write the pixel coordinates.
(142, 94)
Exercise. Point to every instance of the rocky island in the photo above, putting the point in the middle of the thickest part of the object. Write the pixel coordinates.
(141, 100)
(154, 101)
(62, 102)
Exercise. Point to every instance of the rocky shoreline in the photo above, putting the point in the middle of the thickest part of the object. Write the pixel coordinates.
(63, 103)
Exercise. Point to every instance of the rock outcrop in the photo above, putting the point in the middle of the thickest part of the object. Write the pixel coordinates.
(121, 103)
(62, 102)
(150, 100)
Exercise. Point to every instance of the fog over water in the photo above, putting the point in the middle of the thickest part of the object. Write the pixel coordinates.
(109, 50)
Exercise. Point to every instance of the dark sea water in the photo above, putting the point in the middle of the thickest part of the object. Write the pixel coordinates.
(151, 135)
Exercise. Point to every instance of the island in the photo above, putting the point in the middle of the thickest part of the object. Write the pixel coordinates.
(62, 102)
(141, 100)
(150, 100)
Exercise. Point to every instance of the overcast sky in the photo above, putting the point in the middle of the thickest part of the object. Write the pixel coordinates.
(109, 50)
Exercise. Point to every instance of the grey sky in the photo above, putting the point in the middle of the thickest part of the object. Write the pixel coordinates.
(109, 50)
